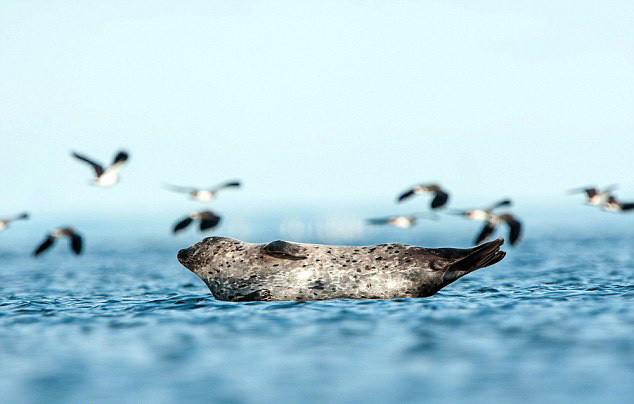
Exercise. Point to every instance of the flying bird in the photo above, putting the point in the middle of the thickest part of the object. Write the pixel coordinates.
(594, 195)
(515, 227)
(203, 194)
(440, 196)
(4, 223)
(483, 213)
(613, 205)
(105, 176)
(400, 221)
(208, 220)
(75, 240)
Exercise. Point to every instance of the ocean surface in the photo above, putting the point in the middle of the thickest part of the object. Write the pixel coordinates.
(125, 323)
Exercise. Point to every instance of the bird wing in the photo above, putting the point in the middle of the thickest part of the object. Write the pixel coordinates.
(515, 228)
(407, 194)
(590, 191)
(21, 216)
(96, 166)
(627, 206)
(76, 243)
(118, 162)
(503, 202)
(121, 157)
(44, 246)
(177, 188)
(457, 212)
(208, 221)
(609, 188)
(229, 184)
(182, 224)
(440, 199)
(378, 220)
(487, 230)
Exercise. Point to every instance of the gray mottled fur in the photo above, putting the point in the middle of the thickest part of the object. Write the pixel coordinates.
(238, 271)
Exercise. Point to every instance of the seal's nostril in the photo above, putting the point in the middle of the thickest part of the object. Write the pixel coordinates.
(183, 255)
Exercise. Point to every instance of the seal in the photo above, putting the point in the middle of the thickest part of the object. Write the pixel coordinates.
(238, 271)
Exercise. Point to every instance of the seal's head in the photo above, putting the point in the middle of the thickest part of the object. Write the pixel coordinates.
(221, 253)
(202, 253)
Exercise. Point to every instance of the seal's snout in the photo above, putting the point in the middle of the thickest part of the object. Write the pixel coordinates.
(183, 256)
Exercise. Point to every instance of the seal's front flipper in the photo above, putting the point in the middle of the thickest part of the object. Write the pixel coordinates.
(285, 250)
(262, 295)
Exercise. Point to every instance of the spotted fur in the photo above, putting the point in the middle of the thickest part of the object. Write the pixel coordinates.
(281, 271)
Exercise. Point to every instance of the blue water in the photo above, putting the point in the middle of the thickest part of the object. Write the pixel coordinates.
(554, 322)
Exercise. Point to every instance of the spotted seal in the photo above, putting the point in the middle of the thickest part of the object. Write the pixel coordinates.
(281, 271)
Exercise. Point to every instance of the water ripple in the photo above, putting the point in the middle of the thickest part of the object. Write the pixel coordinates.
(550, 328)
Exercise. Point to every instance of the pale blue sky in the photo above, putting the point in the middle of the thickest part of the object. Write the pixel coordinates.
(314, 101)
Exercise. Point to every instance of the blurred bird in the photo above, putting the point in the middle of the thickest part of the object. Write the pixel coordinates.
(105, 177)
(594, 195)
(613, 205)
(200, 194)
(481, 214)
(4, 223)
(515, 227)
(75, 240)
(401, 221)
(440, 196)
(208, 220)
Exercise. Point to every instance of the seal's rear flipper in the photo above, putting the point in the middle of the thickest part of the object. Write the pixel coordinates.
(479, 257)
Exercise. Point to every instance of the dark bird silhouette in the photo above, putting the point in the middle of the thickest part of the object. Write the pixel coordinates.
(208, 220)
(4, 223)
(203, 194)
(75, 240)
(613, 205)
(400, 221)
(515, 227)
(105, 176)
(440, 196)
(594, 195)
